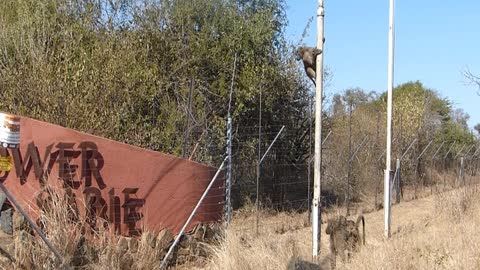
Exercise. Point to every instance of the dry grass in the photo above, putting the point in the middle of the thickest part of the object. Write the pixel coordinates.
(436, 232)
(281, 236)
(99, 251)
(444, 238)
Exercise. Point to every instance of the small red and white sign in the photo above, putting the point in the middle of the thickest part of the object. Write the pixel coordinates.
(9, 131)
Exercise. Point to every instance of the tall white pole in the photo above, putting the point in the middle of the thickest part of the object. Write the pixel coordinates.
(386, 192)
(316, 209)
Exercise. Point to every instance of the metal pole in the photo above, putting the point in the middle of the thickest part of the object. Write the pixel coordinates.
(375, 149)
(433, 165)
(34, 226)
(271, 144)
(462, 171)
(424, 150)
(431, 175)
(231, 85)
(468, 150)
(326, 138)
(257, 201)
(474, 162)
(177, 239)
(416, 182)
(258, 173)
(383, 153)
(466, 156)
(186, 140)
(323, 144)
(475, 153)
(228, 185)
(445, 166)
(436, 152)
(349, 165)
(391, 40)
(349, 172)
(406, 151)
(459, 152)
(417, 163)
(316, 226)
(358, 148)
(449, 149)
(309, 170)
(228, 180)
(257, 210)
(397, 180)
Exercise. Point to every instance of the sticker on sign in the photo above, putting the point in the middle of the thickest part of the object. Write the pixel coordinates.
(5, 164)
(9, 131)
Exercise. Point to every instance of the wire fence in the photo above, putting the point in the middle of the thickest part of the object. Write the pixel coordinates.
(351, 172)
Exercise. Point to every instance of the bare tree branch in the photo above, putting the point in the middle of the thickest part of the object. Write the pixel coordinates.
(473, 79)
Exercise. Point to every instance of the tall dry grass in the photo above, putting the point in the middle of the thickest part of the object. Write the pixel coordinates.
(438, 232)
(248, 252)
(80, 248)
(281, 237)
(450, 239)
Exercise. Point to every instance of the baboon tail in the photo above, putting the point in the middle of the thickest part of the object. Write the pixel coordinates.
(361, 218)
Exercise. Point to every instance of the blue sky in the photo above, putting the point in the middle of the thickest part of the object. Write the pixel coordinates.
(434, 42)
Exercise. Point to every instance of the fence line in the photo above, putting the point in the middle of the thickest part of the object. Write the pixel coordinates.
(284, 182)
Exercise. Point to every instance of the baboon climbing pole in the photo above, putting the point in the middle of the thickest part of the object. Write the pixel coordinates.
(316, 213)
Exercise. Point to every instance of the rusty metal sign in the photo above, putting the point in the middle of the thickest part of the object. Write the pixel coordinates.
(128, 187)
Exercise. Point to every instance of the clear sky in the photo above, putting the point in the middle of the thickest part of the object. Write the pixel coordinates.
(434, 42)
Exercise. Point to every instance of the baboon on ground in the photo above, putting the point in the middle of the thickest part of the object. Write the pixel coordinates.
(296, 263)
(344, 236)
(353, 238)
(309, 57)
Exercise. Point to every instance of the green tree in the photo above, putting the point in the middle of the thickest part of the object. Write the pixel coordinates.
(123, 69)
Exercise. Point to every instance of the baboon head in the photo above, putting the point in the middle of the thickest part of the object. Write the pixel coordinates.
(336, 224)
(300, 52)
